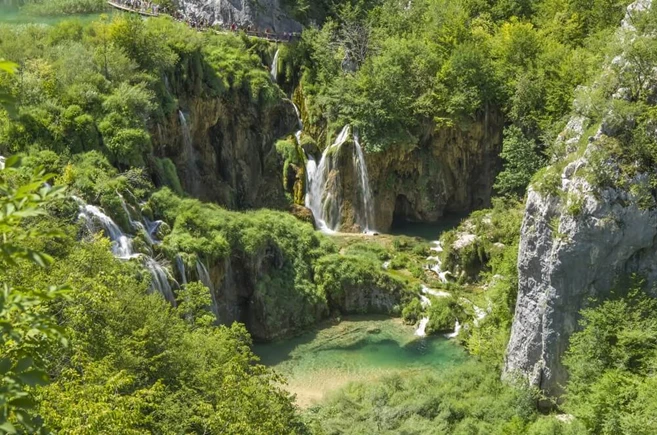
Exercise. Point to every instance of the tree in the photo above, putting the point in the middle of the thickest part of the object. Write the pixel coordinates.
(522, 159)
(26, 328)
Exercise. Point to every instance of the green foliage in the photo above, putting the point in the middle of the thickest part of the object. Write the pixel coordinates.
(465, 399)
(338, 276)
(522, 160)
(611, 363)
(443, 312)
(168, 175)
(27, 328)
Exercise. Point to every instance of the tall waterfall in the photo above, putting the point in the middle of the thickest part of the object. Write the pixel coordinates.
(322, 201)
(122, 244)
(366, 218)
(273, 72)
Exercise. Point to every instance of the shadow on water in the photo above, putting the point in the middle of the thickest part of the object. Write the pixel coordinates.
(276, 352)
(426, 230)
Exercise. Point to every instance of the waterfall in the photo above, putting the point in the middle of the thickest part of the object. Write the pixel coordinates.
(367, 217)
(188, 148)
(160, 280)
(323, 202)
(2, 163)
(273, 72)
(122, 244)
(435, 264)
(422, 328)
(204, 276)
(181, 269)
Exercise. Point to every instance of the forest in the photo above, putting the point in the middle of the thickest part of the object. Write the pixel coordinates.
(148, 243)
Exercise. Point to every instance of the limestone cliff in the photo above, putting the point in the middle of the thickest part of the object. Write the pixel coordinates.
(450, 170)
(587, 222)
(225, 155)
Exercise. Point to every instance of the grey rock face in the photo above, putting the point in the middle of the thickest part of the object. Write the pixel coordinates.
(574, 245)
(565, 260)
(262, 14)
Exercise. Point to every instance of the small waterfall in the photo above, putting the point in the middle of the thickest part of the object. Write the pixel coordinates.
(457, 329)
(367, 217)
(273, 72)
(160, 280)
(323, 202)
(188, 148)
(204, 275)
(180, 264)
(422, 328)
(435, 264)
(2, 163)
(122, 244)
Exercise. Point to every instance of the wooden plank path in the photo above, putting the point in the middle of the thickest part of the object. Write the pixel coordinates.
(273, 37)
(129, 9)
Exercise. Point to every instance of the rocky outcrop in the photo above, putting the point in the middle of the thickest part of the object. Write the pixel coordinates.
(579, 235)
(260, 14)
(224, 155)
(565, 260)
(451, 170)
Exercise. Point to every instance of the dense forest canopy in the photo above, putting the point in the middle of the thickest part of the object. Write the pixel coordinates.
(89, 344)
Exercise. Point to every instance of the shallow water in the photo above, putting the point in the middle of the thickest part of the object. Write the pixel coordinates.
(13, 15)
(357, 349)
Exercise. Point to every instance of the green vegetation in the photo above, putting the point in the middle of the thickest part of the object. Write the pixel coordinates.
(106, 355)
(611, 363)
(468, 399)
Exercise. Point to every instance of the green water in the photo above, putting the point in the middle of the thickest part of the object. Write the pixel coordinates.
(427, 231)
(16, 16)
(357, 349)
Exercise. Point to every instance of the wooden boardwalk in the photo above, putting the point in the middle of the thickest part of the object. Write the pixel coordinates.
(269, 36)
(134, 11)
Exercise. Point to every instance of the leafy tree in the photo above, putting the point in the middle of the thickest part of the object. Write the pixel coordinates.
(611, 361)
(522, 159)
(27, 329)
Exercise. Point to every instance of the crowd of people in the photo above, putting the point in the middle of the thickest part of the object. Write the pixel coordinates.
(144, 7)
(199, 23)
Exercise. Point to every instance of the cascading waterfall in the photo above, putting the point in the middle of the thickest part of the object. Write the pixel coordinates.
(160, 280)
(122, 245)
(367, 217)
(323, 202)
(2, 162)
(273, 72)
